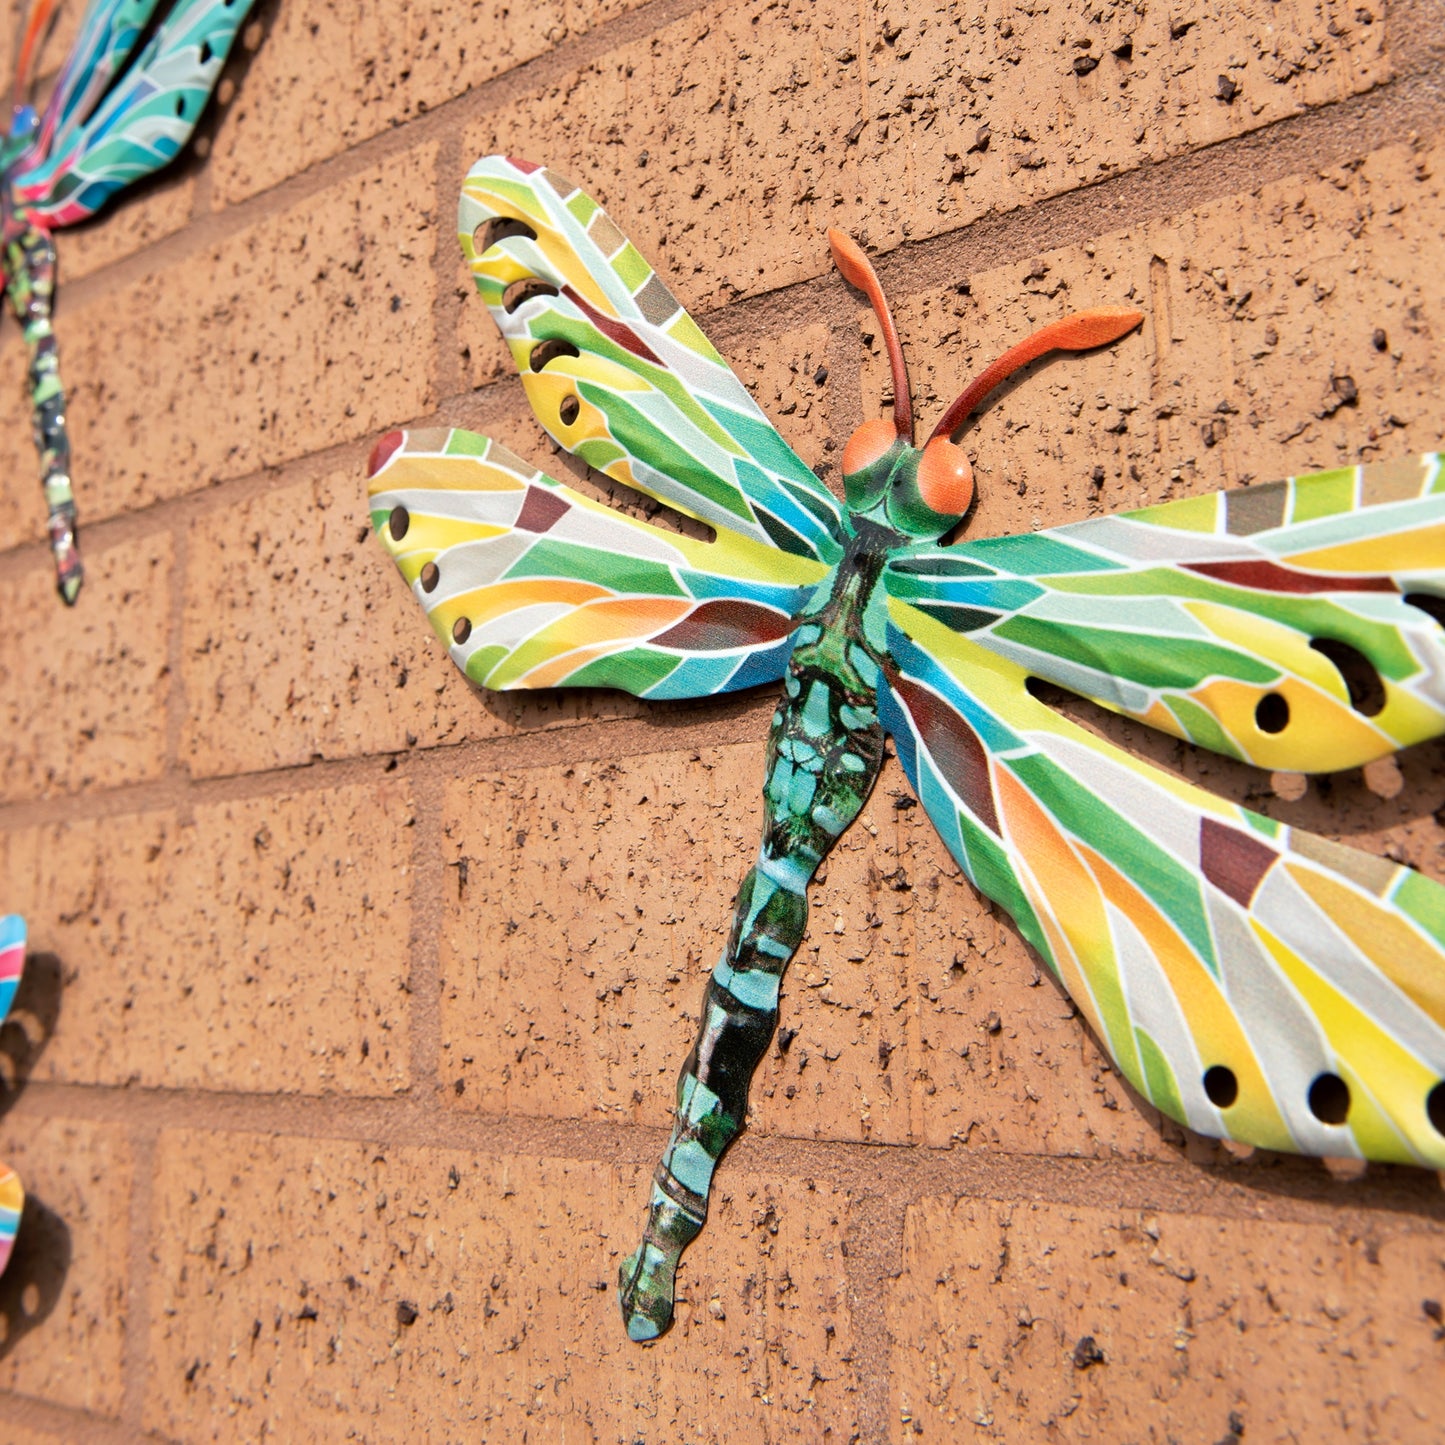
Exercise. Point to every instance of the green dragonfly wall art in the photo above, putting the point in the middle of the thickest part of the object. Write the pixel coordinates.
(1253, 981)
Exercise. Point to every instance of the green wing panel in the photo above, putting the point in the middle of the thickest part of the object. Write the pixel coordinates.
(1295, 625)
(625, 379)
(530, 584)
(1255, 982)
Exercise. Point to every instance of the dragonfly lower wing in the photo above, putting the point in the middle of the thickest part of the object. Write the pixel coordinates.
(1253, 981)
(530, 584)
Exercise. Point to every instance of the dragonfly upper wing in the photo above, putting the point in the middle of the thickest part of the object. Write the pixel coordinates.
(1294, 625)
(531, 584)
(620, 375)
(101, 133)
(1254, 981)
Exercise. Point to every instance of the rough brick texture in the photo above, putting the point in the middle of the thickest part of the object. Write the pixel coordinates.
(376, 1291)
(356, 997)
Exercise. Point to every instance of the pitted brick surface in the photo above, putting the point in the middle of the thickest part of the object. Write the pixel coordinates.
(379, 66)
(776, 120)
(83, 692)
(259, 945)
(1019, 1321)
(429, 1294)
(63, 1298)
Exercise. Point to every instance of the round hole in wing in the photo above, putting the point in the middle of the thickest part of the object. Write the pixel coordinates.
(398, 522)
(1435, 1107)
(461, 630)
(1221, 1086)
(430, 576)
(205, 51)
(1272, 713)
(181, 106)
(570, 409)
(1329, 1099)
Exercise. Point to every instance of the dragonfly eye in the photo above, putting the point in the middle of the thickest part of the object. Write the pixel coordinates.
(867, 445)
(945, 478)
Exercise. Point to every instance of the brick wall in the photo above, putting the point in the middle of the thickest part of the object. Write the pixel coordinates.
(356, 998)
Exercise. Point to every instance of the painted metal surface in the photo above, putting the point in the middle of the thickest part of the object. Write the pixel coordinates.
(1253, 981)
(12, 962)
(126, 100)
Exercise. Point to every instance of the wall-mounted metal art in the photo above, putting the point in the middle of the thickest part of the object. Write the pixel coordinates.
(1253, 981)
(109, 121)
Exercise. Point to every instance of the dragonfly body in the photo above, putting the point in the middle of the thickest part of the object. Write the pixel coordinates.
(825, 751)
(1250, 980)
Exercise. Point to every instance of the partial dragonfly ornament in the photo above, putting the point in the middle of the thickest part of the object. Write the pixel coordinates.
(1251, 980)
(126, 100)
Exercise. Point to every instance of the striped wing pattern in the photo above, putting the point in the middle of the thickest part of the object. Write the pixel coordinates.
(625, 379)
(1292, 625)
(530, 584)
(1255, 982)
(103, 129)
(12, 961)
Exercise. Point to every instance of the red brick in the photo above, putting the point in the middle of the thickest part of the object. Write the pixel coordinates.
(285, 1269)
(261, 946)
(1301, 1331)
(720, 144)
(83, 690)
(301, 102)
(65, 1291)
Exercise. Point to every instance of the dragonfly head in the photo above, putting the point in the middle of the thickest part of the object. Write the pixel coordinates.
(922, 492)
(23, 124)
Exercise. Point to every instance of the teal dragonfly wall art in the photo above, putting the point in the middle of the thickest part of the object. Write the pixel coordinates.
(1253, 981)
(110, 121)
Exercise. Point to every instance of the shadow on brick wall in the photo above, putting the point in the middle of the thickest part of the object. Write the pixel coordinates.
(29, 1025)
(35, 1280)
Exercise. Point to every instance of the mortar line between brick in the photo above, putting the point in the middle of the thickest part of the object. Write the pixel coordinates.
(175, 682)
(65, 1423)
(447, 310)
(1277, 1188)
(875, 1258)
(135, 1358)
(1319, 136)
(679, 728)
(424, 978)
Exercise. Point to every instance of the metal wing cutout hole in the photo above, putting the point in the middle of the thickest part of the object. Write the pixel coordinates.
(520, 292)
(1272, 713)
(1329, 1099)
(1221, 1086)
(1367, 692)
(1427, 602)
(498, 229)
(545, 351)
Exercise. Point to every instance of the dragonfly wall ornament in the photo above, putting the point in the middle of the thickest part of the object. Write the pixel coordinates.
(1252, 981)
(110, 121)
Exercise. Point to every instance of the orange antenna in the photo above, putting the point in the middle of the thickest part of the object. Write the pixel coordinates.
(39, 19)
(858, 271)
(1082, 331)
